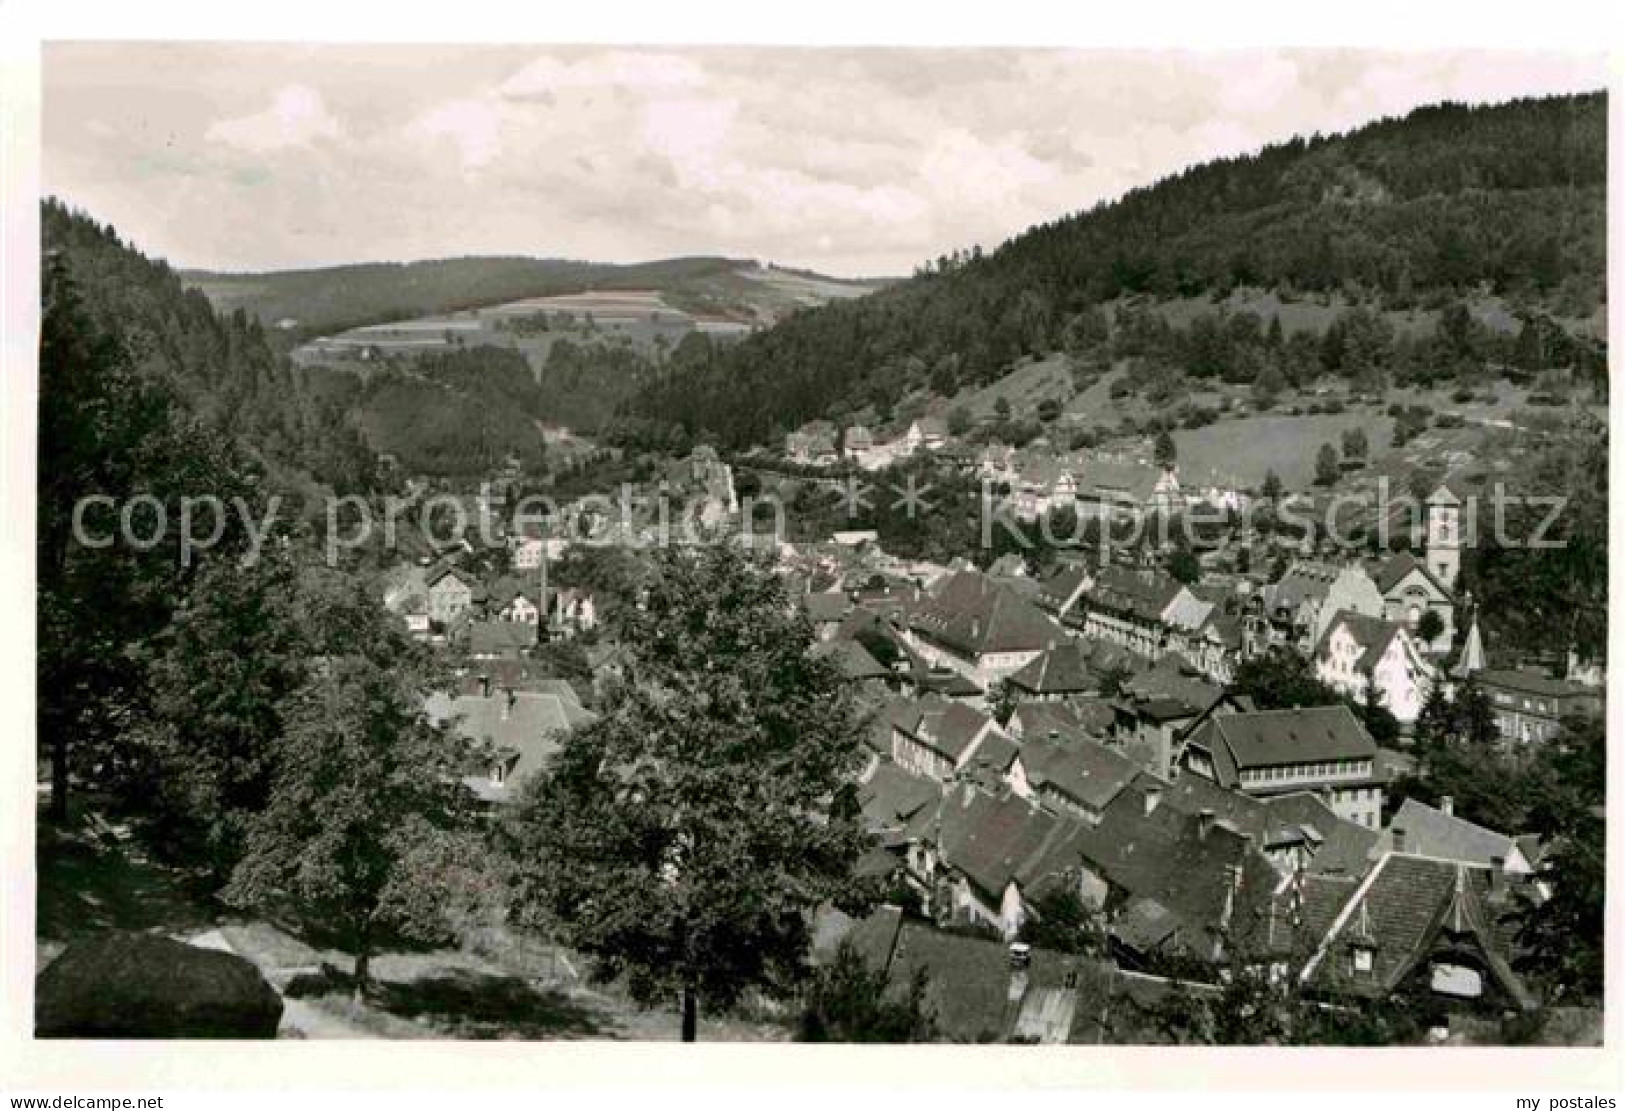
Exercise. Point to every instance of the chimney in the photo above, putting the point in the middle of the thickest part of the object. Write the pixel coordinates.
(1153, 799)
(485, 686)
(1399, 839)
(1447, 806)
(507, 703)
(1204, 822)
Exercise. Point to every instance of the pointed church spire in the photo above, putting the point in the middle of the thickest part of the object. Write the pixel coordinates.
(1472, 653)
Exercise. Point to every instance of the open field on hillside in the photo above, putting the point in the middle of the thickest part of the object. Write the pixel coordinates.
(1243, 451)
(1024, 387)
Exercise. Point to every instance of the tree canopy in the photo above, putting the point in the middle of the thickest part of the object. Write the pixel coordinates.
(685, 838)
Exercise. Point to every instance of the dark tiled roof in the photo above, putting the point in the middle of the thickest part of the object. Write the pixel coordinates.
(972, 991)
(1143, 592)
(974, 615)
(1169, 681)
(1342, 847)
(892, 798)
(495, 637)
(1304, 580)
(852, 658)
(1407, 906)
(1055, 591)
(946, 726)
(1392, 571)
(1063, 670)
(1529, 681)
(1039, 719)
(1087, 772)
(1167, 856)
(999, 839)
(1268, 738)
(523, 728)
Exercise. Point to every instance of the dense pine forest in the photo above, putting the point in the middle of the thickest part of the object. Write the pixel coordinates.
(221, 369)
(1447, 204)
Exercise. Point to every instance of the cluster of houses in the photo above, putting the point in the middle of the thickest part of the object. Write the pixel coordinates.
(1079, 733)
(1076, 733)
(821, 444)
(1037, 479)
(504, 616)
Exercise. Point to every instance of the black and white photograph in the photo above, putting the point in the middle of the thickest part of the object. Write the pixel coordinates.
(1041, 545)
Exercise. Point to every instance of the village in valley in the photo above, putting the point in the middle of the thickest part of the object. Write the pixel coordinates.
(1114, 639)
(1088, 729)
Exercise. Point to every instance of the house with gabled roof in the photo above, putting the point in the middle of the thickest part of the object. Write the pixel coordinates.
(855, 663)
(1271, 752)
(1083, 718)
(1060, 593)
(1170, 883)
(1530, 705)
(936, 736)
(1440, 833)
(1436, 931)
(898, 806)
(1365, 657)
(1409, 590)
(1109, 487)
(1157, 708)
(518, 598)
(452, 595)
(1143, 609)
(990, 852)
(978, 627)
(516, 731)
(925, 434)
(1074, 776)
(826, 610)
(979, 990)
(1297, 607)
(1297, 832)
(1043, 485)
(1057, 674)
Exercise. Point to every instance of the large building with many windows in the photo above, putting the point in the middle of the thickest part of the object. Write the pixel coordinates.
(1530, 705)
(1323, 749)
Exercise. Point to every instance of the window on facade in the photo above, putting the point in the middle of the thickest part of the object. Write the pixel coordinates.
(1362, 959)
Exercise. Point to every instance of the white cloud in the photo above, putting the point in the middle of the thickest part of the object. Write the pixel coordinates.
(617, 69)
(474, 125)
(296, 117)
(852, 161)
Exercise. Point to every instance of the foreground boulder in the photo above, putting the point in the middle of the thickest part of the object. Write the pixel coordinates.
(125, 985)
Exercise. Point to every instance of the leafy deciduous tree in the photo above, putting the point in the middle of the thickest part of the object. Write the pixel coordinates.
(684, 839)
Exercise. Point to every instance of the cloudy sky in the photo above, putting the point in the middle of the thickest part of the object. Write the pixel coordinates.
(853, 162)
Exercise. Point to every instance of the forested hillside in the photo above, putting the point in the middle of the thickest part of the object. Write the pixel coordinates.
(1429, 211)
(460, 413)
(220, 367)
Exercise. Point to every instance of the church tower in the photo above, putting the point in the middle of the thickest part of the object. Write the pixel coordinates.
(1444, 536)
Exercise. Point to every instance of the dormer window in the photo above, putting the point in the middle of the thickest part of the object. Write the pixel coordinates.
(1363, 956)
